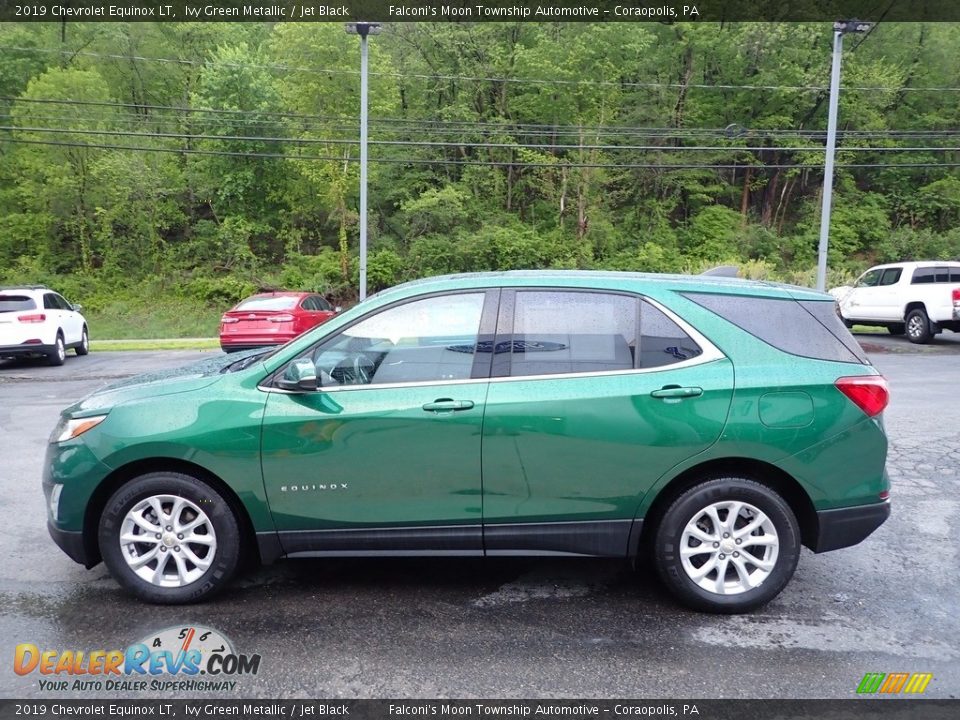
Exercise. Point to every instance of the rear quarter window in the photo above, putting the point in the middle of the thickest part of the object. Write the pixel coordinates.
(805, 328)
(16, 303)
(937, 274)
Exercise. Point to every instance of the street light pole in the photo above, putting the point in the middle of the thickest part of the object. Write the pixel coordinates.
(828, 163)
(363, 30)
(839, 28)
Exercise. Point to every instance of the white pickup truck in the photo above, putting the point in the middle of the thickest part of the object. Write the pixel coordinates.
(917, 298)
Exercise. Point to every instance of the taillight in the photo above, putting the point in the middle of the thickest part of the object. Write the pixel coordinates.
(281, 318)
(956, 297)
(35, 318)
(226, 319)
(868, 392)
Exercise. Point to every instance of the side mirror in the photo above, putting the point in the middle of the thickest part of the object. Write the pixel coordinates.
(300, 376)
(338, 309)
(77, 307)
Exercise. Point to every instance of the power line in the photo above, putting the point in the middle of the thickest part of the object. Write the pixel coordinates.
(488, 163)
(461, 143)
(506, 80)
(420, 126)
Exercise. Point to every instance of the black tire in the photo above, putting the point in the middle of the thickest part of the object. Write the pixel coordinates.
(58, 355)
(226, 532)
(918, 327)
(897, 328)
(670, 531)
(84, 347)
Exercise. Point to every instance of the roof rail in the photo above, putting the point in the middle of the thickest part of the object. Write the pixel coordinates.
(24, 287)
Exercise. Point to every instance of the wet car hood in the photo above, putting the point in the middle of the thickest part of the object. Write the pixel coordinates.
(155, 384)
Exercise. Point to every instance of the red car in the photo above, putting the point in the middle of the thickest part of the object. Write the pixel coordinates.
(272, 319)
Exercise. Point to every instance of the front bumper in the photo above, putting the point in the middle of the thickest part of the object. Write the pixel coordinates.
(71, 542)
(844, 527)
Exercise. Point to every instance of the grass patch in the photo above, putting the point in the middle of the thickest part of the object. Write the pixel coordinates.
(157, 344)
(874, 329)
(171, 317)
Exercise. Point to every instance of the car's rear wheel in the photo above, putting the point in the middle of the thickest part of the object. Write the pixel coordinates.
(58, 355)
(727, 545)
(918, 326)
(84, 347)
(169, 538)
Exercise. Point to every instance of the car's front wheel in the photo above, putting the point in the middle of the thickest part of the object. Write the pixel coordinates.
(169, 538)
(727, 545)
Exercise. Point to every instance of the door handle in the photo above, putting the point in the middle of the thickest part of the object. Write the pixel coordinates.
(448, 405)
(675, 391)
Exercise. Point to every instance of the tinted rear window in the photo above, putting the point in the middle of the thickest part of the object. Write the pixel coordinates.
(938, 274)
(16, 303)
(284, 302)
(808, 328)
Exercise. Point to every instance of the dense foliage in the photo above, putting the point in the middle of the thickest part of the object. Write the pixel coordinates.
(202, 160)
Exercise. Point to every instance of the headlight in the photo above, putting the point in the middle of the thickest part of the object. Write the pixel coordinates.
(67, 429)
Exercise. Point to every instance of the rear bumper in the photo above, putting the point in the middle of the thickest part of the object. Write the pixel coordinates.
(844, 527)
(71, 542)
(24, 350)
(247, 344)
(254, 339)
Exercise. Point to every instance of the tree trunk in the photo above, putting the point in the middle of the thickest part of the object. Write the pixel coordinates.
(745, 196)
(770, 199)
(685, 76)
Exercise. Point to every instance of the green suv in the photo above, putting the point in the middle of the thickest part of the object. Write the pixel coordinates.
(712, 424)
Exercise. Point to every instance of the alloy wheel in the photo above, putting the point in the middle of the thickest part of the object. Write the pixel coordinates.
(168, 541)
(729, 547)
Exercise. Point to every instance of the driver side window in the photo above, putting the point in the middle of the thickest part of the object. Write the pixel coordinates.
(429, 340)
(869, 279)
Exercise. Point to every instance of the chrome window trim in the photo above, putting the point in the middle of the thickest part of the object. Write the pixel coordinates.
(711, 353)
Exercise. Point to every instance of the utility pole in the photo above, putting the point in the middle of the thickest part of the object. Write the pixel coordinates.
(839, 28)
(363, 30)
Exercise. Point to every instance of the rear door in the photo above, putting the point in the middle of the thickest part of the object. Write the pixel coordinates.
(318, 311)
(71, 320)
(55, 317)
(593, 396)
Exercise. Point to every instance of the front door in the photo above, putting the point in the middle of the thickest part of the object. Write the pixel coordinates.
(862, 302)
(385, 455)
(593, 397)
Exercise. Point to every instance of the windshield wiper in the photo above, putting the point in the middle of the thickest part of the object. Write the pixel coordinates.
(244, 363)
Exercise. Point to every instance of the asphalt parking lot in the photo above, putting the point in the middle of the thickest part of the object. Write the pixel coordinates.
(510, 627)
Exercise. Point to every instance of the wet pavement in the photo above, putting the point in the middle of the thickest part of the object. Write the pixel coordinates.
(515, 627)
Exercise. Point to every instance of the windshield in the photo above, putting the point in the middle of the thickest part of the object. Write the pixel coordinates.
(281, 302)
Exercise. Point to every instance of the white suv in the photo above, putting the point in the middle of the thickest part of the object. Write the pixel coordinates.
(916, 298)
(34, 320)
